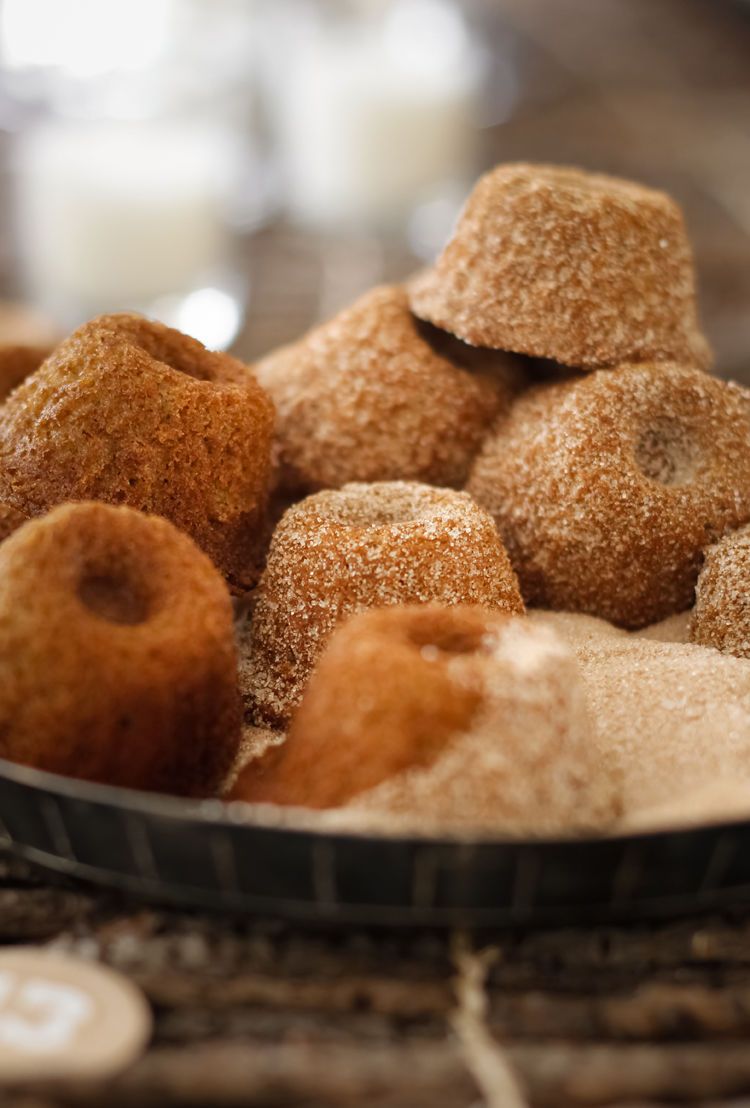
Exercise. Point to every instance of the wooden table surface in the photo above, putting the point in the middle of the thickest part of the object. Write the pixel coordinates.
(255, 1012)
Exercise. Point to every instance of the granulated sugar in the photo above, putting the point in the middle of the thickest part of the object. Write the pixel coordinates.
(718, 801)
(668, 723)
(669, 717)
(672, 629)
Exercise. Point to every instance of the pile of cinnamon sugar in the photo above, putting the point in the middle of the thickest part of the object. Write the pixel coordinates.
(670, 717)
(670, 722)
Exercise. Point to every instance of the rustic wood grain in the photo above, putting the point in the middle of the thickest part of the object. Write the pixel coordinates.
(255, 1012)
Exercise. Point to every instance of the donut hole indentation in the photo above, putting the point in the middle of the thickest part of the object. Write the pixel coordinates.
(361, 507)
(666, 453)
(192, 363)
(372, 509)
(115, 597)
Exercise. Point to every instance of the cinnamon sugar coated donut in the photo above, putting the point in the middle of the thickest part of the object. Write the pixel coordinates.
(459, 716)
(368, 397)
(524, 764)
(117, 652)
(607, 488)
(721, 617)
(582, 268)
(390, 690)
(364, 546)
(129, 411)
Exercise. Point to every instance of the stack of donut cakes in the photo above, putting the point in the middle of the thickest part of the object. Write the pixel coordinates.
(530, 423)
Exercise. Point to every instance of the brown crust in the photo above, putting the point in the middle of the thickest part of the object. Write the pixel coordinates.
(365, 546)
(117, 652)
(582, 268)
(371, 396)
(607, 488)
(129, 411)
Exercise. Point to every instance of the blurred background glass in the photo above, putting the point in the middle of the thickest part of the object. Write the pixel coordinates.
(241, 168)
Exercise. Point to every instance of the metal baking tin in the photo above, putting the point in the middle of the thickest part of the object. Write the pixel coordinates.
(204, 854)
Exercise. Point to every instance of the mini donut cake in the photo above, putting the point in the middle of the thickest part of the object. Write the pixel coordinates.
(117, 652)
(606, 489)
(368, 397)
(721, 617)
(129, 411)
(581, 268)
(459, 711)
(364, 546)
(392, 687)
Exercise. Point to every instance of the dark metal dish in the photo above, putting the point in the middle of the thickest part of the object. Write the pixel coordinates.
(204, 854)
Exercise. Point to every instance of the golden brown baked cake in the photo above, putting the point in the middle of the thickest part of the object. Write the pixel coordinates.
(364, 546)
(373, 395)
(607, 488)
(721, 617)
(117, 652)
(132, 412)
(390, 690)
(578, 267)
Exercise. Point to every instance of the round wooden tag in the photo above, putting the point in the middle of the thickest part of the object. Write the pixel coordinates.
(61, 1016)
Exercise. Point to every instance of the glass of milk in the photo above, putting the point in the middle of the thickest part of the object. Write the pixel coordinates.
(136, 160)
(114, 215)
(374, 109)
